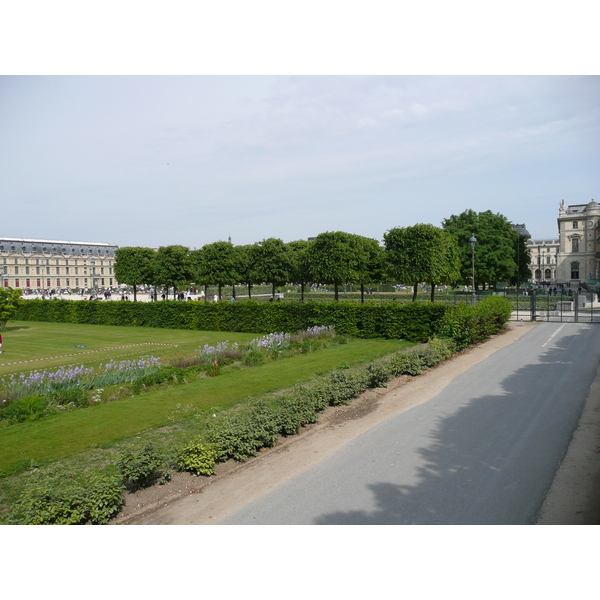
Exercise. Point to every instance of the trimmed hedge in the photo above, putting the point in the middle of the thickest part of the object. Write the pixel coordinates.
(413, 322)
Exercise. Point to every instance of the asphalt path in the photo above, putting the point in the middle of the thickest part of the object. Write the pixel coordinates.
(483, 451)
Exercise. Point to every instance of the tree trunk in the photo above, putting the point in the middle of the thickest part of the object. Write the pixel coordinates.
(249, 291)
(219, 291)
(134, 293)
(432, 291)
(273, 291)
(233, 292)
(301, 292)
(362, 293)
(415, 289)
(335, 288)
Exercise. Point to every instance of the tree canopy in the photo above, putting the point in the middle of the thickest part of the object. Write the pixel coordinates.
(422, 254)
(217, 264)
(133, 266)
(370, 262)
(9, 301)
(495, 250)
(299, 264)
(332, 258)
(273, 262)
(172, 267)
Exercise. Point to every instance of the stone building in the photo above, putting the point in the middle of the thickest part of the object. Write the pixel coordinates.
(578, 257)
(544, 260)
(39, 265)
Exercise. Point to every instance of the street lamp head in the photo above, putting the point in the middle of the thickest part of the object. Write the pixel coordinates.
(472, 240)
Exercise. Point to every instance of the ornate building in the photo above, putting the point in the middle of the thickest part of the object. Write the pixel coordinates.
(40, 265)
(579, 251)
(544, 259)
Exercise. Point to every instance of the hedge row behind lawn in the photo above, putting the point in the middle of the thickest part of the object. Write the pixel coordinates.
(413, 322)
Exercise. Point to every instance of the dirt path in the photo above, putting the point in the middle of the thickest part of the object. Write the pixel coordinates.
(199, 500)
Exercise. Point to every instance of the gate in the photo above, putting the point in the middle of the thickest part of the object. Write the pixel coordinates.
(580, 307)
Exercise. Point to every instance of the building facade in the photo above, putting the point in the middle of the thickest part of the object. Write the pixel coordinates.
(41, 265)
(544, 260)
(578, 257)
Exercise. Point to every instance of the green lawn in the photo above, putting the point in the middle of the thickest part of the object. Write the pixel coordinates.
(40, 342)
(61, 435)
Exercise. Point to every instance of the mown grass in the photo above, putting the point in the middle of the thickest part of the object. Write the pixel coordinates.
(27, 340)
(61, 435)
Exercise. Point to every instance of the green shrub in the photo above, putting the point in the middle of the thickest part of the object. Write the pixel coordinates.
(198, 458)
(77, 397)
(345, 385)
(138, 467)
(301, 407)
(68, 498)
(378, 374)
(28, 408)
(242, 433)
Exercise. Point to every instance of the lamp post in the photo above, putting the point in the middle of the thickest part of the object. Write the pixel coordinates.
(473, 241)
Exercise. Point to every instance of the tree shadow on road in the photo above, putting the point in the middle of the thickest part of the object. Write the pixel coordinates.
(489, 461)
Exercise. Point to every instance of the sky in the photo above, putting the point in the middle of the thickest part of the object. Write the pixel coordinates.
(160, 160)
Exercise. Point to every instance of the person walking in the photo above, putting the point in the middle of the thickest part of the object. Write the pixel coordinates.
(0, 343)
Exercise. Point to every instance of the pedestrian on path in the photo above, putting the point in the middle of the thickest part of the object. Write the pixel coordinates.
(0, 343)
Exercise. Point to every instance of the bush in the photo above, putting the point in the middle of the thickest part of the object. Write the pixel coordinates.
(345, 385)
(197, 458)
(467, 325)
(378, 374)
(242, 433)
(139, 467)
(67, 498)
(29, 408)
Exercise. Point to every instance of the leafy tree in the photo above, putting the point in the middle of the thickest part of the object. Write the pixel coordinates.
(332, 258)
(218, 265)
(246, 261)
(300, 266)
(172, 267)
(273, 263)
(495, 250)
(369, 262)
(9, 301)
(133, 266)
(422, 254)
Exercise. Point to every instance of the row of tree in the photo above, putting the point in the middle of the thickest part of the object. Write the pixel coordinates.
(411, 255)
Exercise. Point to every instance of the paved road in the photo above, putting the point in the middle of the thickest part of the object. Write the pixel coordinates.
(483, 451)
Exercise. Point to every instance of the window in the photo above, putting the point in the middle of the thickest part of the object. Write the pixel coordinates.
(547, 274)
(17, 271)
(574, 270)
(27, 271)
(28, 283)
(575, 225)
(39, 283)
(575, 245)
(16, 283)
